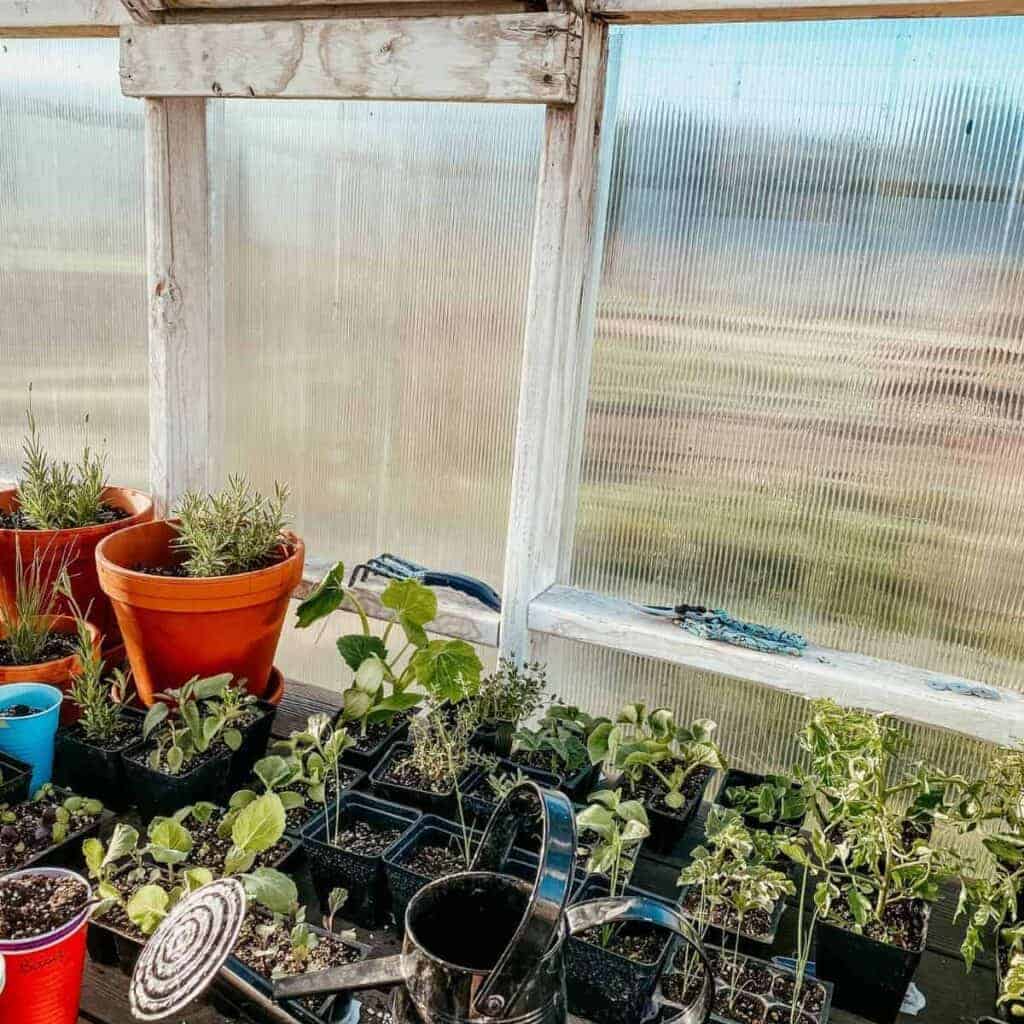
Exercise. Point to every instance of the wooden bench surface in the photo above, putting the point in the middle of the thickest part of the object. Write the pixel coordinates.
(953, 997)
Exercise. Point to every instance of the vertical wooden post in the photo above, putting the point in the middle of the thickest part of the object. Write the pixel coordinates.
(567, 238)
(178, 276)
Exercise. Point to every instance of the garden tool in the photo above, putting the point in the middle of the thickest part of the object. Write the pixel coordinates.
(717, 624)
(394, 568)
(482, 946)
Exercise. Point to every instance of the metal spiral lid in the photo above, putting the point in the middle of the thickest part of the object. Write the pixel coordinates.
(187, 950)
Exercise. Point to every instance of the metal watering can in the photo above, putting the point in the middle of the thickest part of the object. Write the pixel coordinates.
(484, 947)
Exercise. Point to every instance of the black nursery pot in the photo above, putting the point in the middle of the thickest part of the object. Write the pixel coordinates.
(581, 784)
(159, 794)
(495, 736)
(481, 802)
(361, 874)
(16, 777)
(403, 882)
(870, 977)
(735, 778)
(367, 758)
(603, 986)
(443, 804)
(332, 1010)
(669, 827)
(749, 945)
(255, 738)
(92, 770)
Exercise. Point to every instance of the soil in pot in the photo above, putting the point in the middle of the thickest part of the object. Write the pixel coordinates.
(758, 925)
(33, 905)
(400, 771)
(371, 745)
(435, 860)
(905, 923)
(210, 850)
(55, 647)
(19, 711)
(156, 792)
(30, 829)
(651, 791)
(15, 519)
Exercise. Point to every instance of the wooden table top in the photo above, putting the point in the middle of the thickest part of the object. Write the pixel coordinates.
(953, 997)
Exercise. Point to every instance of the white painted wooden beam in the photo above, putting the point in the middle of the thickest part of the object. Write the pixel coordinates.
(510, 58)
(681, 12)
(457, 615)
(566, 240)
(855, 680)
(62, 17)
(182, 347)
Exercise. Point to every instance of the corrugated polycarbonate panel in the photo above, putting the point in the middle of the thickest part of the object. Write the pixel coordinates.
(377, 257)
(72, 262)
(806, 404)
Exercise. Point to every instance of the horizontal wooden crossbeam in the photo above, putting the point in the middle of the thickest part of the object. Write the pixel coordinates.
(62, 17)
(515, 58)
(681, 12)
(856, 680)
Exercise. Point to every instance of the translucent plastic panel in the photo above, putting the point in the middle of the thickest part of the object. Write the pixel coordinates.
(72, 258)
(377, 257)
(806, 403)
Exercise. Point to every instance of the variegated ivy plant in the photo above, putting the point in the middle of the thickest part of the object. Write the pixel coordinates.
(638, 743)
(387, 683)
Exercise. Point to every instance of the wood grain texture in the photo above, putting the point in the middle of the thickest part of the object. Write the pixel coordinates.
(512, 58)
(681, 12)
(554, 359)
(62, 17)
(457, 615)
(855, 680)
(178, 277)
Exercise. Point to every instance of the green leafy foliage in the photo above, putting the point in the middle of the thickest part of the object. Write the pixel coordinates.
(560, 737)
(777, 799)
(511, 694)
(236, 530)
(59, 495)
(25, 620)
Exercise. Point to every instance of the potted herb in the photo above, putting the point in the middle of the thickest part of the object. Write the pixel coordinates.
(377, 705)
(731, 885)
(558, 745)
(346, 850)
(206, 592)
(188, 748)
(43, 917)
(55, 518)
(507, 698)
(664, 765)
(767, 802)
(277, 941)
(89, 753)
(433, 771)
(875, 889)
(612, 971)
(46, 829)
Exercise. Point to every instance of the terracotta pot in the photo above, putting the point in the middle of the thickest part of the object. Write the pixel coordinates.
(57, 673)
(77, 546)
(175, 628)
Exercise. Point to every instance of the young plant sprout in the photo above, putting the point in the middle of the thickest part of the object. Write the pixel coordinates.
(388, 684)
(237, 530)
(776, 799)
(558, 744)
(639, 744)
(25, 623)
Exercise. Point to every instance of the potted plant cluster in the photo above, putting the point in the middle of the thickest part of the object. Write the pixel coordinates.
(768, 802)
(206, 592)
(505, 700)
(53, 520)
(664, 765)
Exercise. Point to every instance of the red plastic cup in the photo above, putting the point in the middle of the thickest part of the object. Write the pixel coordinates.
(41, 977)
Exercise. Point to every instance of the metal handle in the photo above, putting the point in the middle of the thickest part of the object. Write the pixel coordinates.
(555, 871)
(614, 910)
(379, 973)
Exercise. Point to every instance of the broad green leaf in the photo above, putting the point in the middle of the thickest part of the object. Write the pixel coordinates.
(355, 704)
(325, 599)
(203, 811)
(232, 738)
(635, 831)
(290, 800)
(196, 878)
(260, 824)
(175, 759)
(370, 676)
(411, 600)
(92, 850)
(154, 716)
(447, 669)
(272, 889)
(212, 686)
(240, 798)
(355, 648)
(147, 908)
(236, 861)
(122, 842)
(392, 705)
(169, 842)
(414, 632)
(272, 770)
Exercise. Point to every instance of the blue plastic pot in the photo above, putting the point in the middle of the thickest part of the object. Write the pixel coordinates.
(31, 738)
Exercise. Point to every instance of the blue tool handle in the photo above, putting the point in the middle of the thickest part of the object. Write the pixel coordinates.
(468, 585)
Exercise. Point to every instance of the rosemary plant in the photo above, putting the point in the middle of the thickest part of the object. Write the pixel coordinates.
(24, 624)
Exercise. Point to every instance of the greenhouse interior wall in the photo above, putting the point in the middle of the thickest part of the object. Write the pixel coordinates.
(807, 383)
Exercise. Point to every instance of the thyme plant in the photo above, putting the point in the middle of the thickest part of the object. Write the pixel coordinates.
(236, 530)
(513, 693)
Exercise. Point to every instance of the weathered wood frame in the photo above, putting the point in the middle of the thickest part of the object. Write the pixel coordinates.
(185, 287)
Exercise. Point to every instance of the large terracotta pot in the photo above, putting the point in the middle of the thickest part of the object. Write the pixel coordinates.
(176, 628)
(77, 546)
(58, 672)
